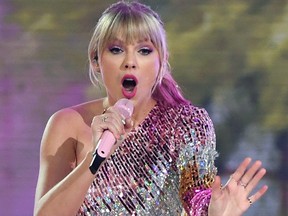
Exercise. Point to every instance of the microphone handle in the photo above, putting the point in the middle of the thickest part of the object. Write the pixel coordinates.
(103, 148)
(107, 140)
(96, 162)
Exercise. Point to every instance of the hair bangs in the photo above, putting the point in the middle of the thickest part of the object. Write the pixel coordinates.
(132, 27)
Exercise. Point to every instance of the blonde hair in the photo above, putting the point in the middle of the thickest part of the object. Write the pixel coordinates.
(133, 21)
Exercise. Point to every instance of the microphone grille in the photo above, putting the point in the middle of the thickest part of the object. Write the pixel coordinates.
(125, 107)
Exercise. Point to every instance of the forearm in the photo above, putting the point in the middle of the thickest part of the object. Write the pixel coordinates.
(66, 197)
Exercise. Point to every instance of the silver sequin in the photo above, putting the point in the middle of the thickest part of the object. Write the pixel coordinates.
(143, 175)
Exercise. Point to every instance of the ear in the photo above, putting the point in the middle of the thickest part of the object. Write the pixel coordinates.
(95, 63)
(96, 66)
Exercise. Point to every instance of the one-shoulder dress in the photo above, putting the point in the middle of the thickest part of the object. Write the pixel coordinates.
(163, 167)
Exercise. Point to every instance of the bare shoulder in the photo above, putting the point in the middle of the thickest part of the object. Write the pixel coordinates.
(86, 111)
(64, 143)
(62, 125)
(71, 117)
(67, 124)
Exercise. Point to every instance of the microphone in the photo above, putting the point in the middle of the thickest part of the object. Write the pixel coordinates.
(107, 140)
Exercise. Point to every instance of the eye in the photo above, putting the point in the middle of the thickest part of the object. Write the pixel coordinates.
(145, 51)
(115, 50)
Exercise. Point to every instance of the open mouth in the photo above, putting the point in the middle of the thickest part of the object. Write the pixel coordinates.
(129, 83)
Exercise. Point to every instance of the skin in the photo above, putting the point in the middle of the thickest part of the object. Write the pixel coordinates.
(140, 59)
(232, 199)
(71, 136)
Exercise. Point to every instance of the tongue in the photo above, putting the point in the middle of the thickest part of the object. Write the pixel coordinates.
(129, 91)
(129, 88)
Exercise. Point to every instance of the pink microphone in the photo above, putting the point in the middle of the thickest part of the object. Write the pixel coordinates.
(107, 140)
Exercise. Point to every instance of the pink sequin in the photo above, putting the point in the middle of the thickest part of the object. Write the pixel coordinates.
(143, 175)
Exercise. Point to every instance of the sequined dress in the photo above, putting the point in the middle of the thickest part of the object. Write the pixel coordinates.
(163, 166)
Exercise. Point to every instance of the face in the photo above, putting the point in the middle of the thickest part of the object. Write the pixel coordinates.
(129, 70)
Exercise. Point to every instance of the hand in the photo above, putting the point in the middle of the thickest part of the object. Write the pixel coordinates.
(234, 198)
(111, 120)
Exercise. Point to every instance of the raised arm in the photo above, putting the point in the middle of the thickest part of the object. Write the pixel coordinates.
(236, 196)
(200, 189)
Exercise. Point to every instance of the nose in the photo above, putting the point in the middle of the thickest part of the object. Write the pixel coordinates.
(130, 60)
(128, 66)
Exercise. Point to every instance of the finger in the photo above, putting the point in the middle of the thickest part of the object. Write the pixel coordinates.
(241, 169)
(216, 188)
(258, 194)
(253, 183)
(107, 121)
(246, 178)
(129, 123)
(115, 126)
(230, 180)
(121, 120)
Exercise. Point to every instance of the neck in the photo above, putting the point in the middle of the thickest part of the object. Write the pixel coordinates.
(141, 110)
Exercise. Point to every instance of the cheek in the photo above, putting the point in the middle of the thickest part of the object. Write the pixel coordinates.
(156, 69)
(107, 70)
(151, 76)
